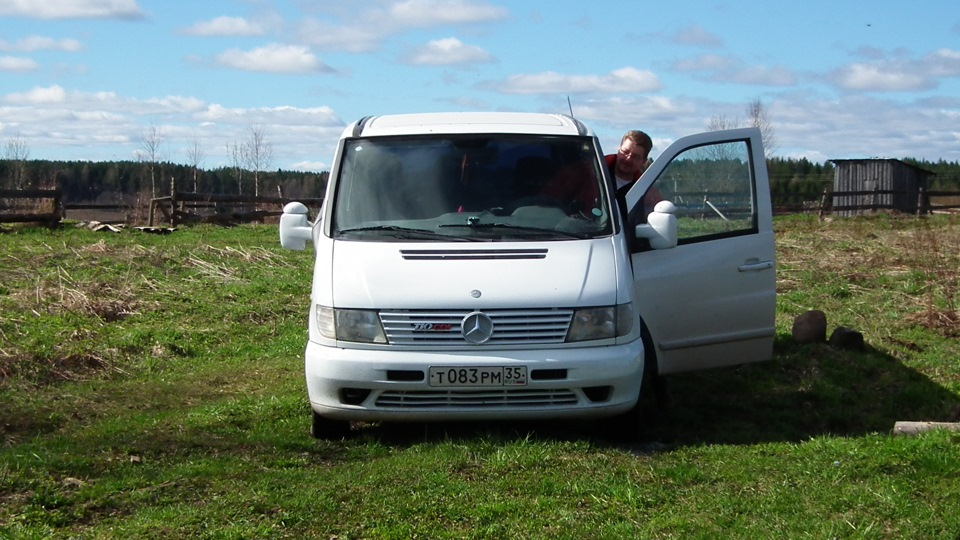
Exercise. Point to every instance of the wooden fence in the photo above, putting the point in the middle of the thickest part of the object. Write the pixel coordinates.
(47, 206)
(186, 207)
(920, 202)
(50, 211)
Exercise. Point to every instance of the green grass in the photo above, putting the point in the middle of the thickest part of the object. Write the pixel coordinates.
(151, 387)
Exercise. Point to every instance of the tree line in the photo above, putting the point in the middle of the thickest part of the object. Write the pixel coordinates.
(82, 181)
(89, 181)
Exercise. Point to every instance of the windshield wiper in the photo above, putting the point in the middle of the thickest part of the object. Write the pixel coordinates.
(406, 233)
(519, 228)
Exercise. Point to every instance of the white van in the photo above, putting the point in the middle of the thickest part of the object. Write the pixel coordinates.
(476, 266)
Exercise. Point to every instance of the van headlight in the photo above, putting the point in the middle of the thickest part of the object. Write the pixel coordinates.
(601, 323)
(358, 325)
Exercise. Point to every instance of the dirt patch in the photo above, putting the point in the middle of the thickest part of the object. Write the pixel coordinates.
(944, 322)
(43, 371)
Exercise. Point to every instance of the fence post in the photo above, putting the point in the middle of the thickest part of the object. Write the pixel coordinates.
(173, 203)
(922, 202)
(823, 202)
(58, 208)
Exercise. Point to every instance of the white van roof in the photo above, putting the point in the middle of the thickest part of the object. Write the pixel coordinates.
(466, 122)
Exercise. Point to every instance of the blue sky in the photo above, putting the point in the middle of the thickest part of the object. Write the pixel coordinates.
(87, 79)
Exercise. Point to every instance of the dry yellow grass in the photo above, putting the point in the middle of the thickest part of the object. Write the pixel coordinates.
(892, 259)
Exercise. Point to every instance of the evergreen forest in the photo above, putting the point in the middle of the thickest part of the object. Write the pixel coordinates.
(797, 179)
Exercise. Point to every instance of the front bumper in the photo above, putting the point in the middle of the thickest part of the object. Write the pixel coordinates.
(392, 385)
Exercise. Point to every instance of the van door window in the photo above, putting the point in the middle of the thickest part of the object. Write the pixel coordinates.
(712, 188)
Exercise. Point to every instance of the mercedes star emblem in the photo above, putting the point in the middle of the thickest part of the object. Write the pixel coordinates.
(477, 327)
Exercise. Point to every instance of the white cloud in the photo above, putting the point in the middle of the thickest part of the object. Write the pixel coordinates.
(15, 63)
(225, 26)
(341, 37)
(942, 63)
(165, 106)
(696, 35)
(40, 43)
(810, 122)
(107, 125)
(806, 125)
(442, 12)
(101, 103)
(726, 69)
(704, 62)
(898, 72)
(38, 96)
(310, 166)
(449, 51)
(303, 134)
(72, 9)
(759, 76)
(631, 112)
(283, 115)
(625, 79)
(879, 78)
(274, 58)
(361, 31)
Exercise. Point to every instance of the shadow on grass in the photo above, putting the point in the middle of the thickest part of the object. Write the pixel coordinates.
(806, 391)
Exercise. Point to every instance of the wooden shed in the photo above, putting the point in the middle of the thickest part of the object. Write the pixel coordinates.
(866, 185)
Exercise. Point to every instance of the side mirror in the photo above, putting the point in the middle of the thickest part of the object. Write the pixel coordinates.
(295, 229)
(661, 226)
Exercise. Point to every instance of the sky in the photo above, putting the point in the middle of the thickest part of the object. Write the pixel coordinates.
(839, 79)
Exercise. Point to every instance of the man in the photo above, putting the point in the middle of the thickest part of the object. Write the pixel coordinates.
(625, 167)
(628, 164)
(630, 160)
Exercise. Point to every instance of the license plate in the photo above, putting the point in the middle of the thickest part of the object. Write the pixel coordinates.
(478, 376)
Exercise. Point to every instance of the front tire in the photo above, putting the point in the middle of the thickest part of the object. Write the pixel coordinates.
(634, 424)
(325, 428)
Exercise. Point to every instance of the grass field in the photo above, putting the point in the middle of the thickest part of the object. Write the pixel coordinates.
(151, 387)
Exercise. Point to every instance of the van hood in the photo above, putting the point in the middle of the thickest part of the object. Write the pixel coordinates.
(375, 275)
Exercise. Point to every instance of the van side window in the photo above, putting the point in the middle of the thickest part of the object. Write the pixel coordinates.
(713, 189)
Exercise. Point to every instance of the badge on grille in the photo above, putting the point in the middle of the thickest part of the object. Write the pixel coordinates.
(476, 327)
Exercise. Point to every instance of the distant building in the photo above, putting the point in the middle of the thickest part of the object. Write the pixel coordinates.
(867, 185)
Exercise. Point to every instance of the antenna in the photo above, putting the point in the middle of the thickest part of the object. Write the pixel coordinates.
(570, 106)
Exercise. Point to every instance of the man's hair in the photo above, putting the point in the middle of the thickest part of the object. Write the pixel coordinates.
(639, 138)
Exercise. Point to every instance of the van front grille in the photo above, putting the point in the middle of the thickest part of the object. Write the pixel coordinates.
(445, 327)
(479, 399)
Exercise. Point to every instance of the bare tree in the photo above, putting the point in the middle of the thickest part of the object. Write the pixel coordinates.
(238, 159)
(151, 152)
(196, 153)
(718, 152)
(17, 151)
(757, 115)
(259, 155)
(720, 122)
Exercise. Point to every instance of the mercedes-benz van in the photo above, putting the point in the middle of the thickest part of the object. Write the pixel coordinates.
(478, 266)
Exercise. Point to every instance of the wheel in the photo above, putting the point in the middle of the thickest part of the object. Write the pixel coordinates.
(633, 425)
(627, 427)
(325, 428)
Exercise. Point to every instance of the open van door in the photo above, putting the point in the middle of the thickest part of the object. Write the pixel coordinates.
(709, 299)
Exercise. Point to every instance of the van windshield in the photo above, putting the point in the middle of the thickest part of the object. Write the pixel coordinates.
(471, 188)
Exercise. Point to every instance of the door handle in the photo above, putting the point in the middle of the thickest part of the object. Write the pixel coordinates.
(755, 265)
